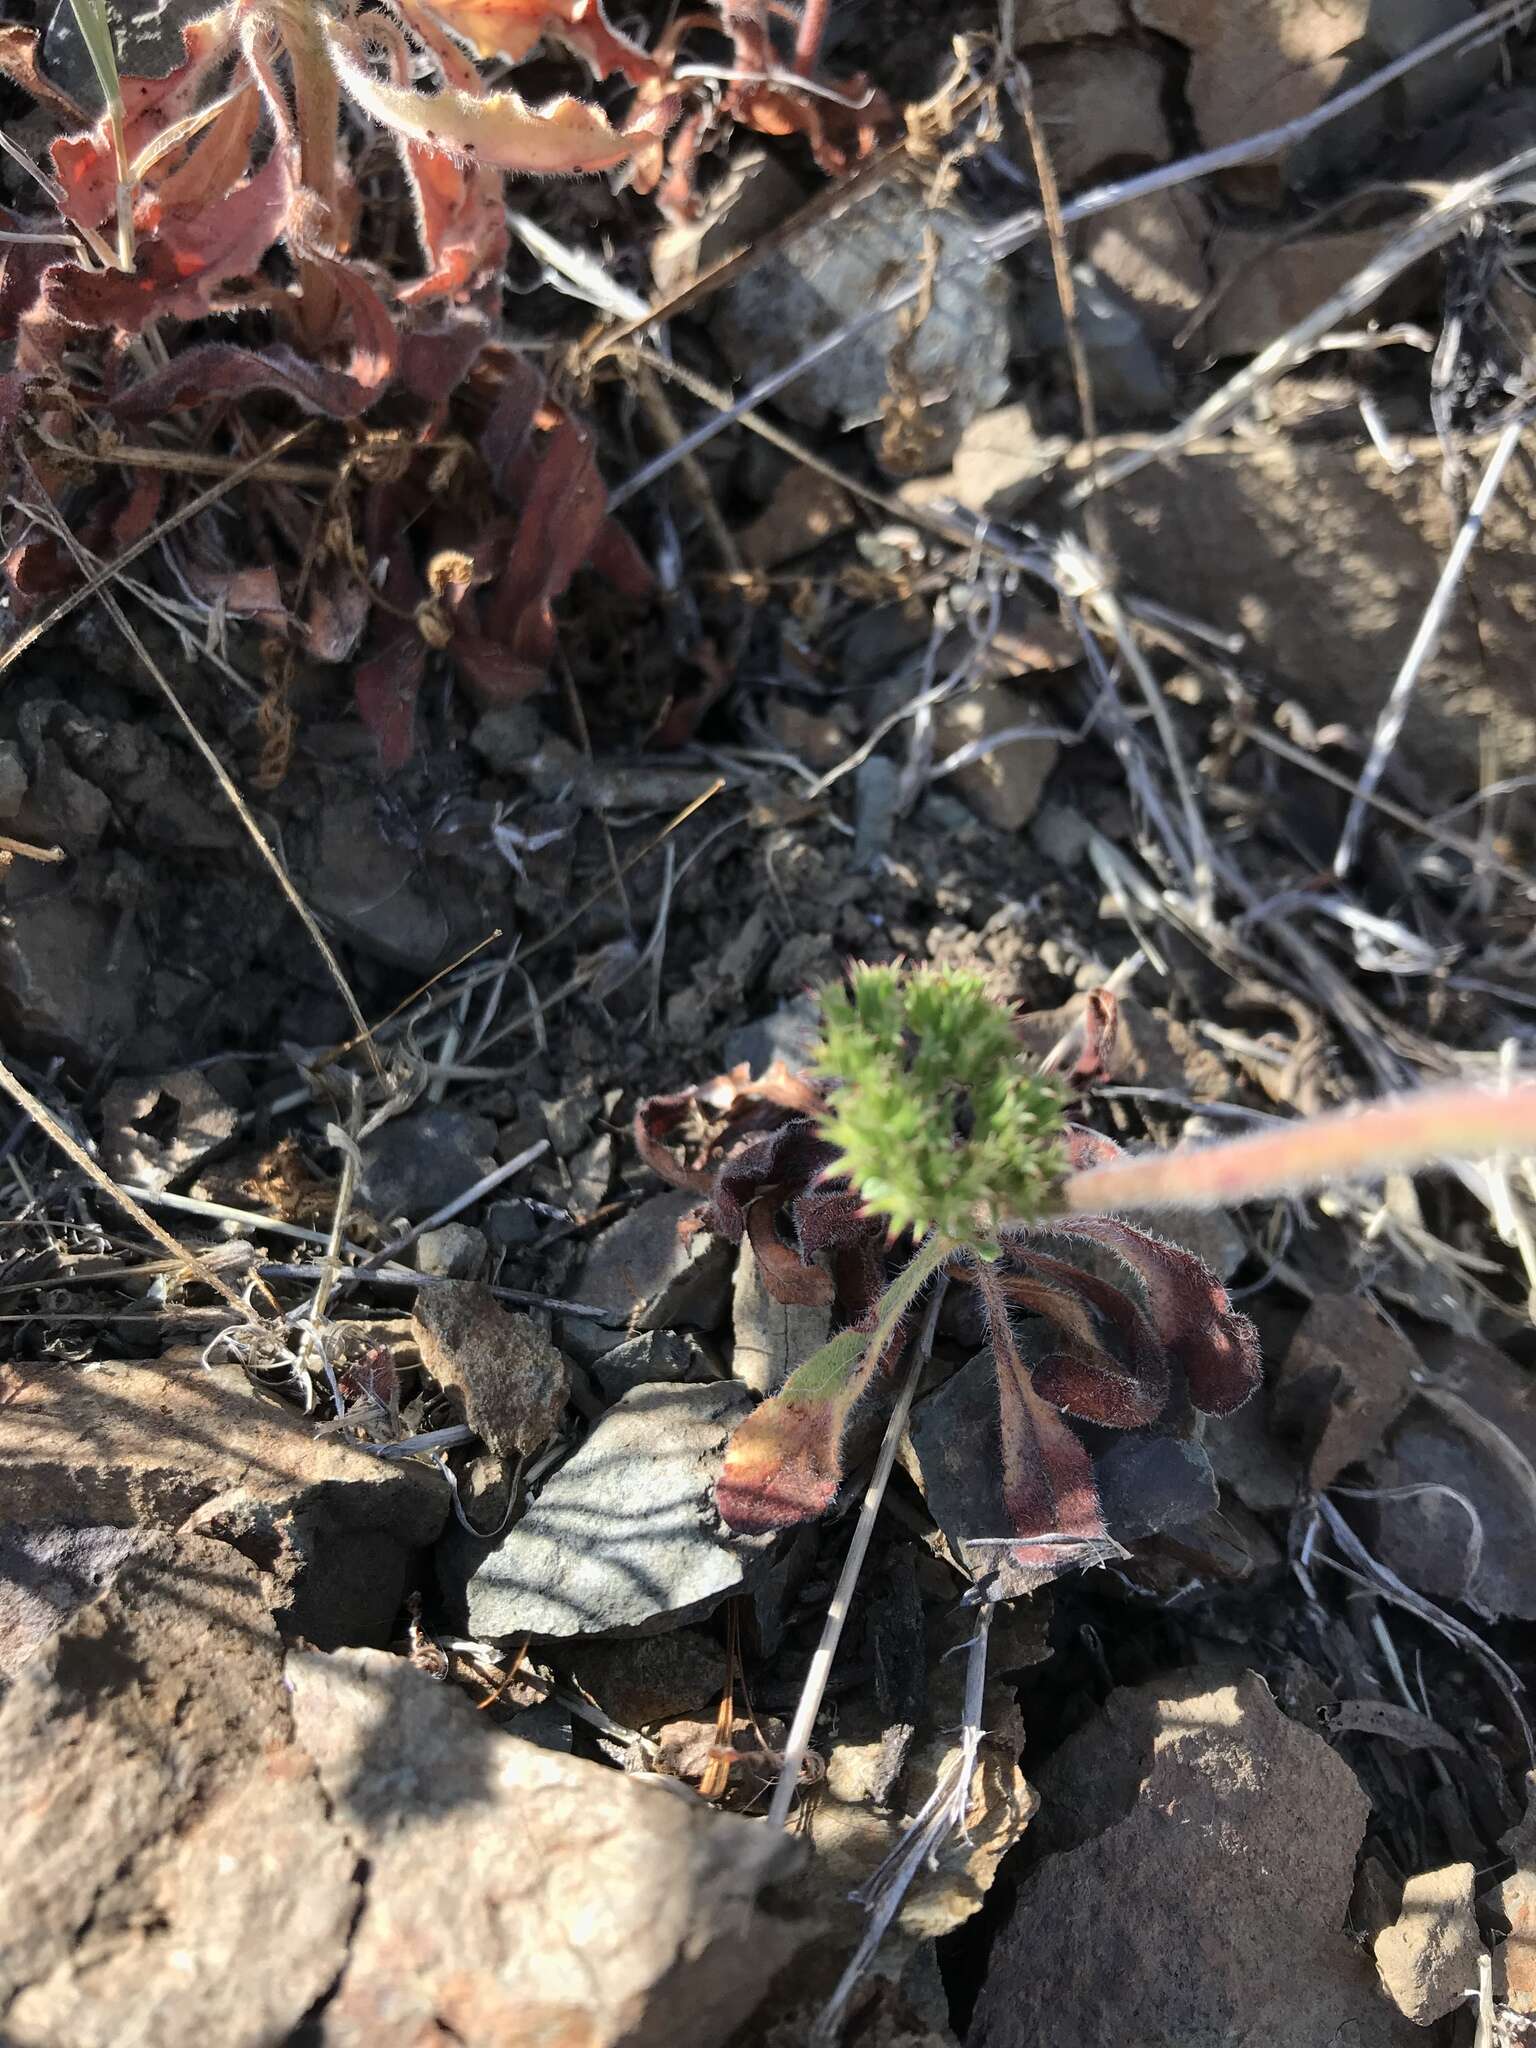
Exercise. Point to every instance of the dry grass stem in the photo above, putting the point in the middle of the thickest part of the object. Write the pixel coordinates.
(1394, 712)
(49, 1124)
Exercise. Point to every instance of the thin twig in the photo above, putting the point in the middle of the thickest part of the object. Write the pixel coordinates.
(237, 802)
(46, 1121)
(809, 1706)
(1011, 235)
(1395, 711)
(99, 578)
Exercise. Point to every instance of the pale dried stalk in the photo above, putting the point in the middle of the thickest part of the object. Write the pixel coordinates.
(1395, 711)
(842, 1598)
(1437, 225)
(227, 784)
(1404, 1131)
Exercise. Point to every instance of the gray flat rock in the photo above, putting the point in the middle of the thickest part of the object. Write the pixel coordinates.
(624, 1539)
(642, 1270)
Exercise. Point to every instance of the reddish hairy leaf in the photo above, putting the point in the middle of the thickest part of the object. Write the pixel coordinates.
(721, 1112)
(561, 519)
(435, 361)
(176, 273)
(497, 128)
(1190, 1310)
(615, 557)
(789, 1278)
(1048, 1483)
(512, 28)
(776, 1165)
(19, 62)
(386, 689)
(461, 218)
(784, 1464)
(218, 369)
(22, 267)
(1122, 1383)
(86, 165)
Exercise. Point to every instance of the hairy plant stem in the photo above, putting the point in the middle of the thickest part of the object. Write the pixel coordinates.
(813, 26)
(317, 113)
(1402, 1131)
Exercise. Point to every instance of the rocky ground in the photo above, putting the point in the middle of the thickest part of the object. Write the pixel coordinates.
(374, 1665)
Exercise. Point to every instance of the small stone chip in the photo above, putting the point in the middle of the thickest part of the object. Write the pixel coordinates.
(505, 1374)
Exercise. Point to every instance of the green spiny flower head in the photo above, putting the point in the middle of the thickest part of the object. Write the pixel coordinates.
(938, 1124)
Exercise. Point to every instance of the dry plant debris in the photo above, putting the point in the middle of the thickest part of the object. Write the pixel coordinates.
(1166, 756)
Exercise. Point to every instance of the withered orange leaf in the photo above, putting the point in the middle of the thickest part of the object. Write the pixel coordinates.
(510, 29)
(497, 128)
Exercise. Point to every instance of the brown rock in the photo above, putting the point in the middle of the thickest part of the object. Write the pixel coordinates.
(390, 903)
(819, 741)
(1324, 558)
(1027, 642)
(1153, 250)
(1428, 1958)
(1266, 283)
(1257, 63)
(1247, 1456)
(858, 1820)
(172, 1878)
(805, 510)
(639, 1683)
(71, 970)
(160, 1126)
(1344, 1381)
(516, 1895)
(1097, 105)
(1000, 461)
(145, 1447)
(1514, 1961)
(1214, 1910)
(1004, 785)
(207, 1848)
(1064, 21)
(502, 1372)
(62, 808)
(48, 1574)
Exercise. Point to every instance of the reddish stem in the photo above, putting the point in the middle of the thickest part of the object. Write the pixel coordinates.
(1407, 1131)
(813, 26)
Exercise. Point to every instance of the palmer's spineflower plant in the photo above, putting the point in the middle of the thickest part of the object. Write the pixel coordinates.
(922, 1142)
(931, 1114)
